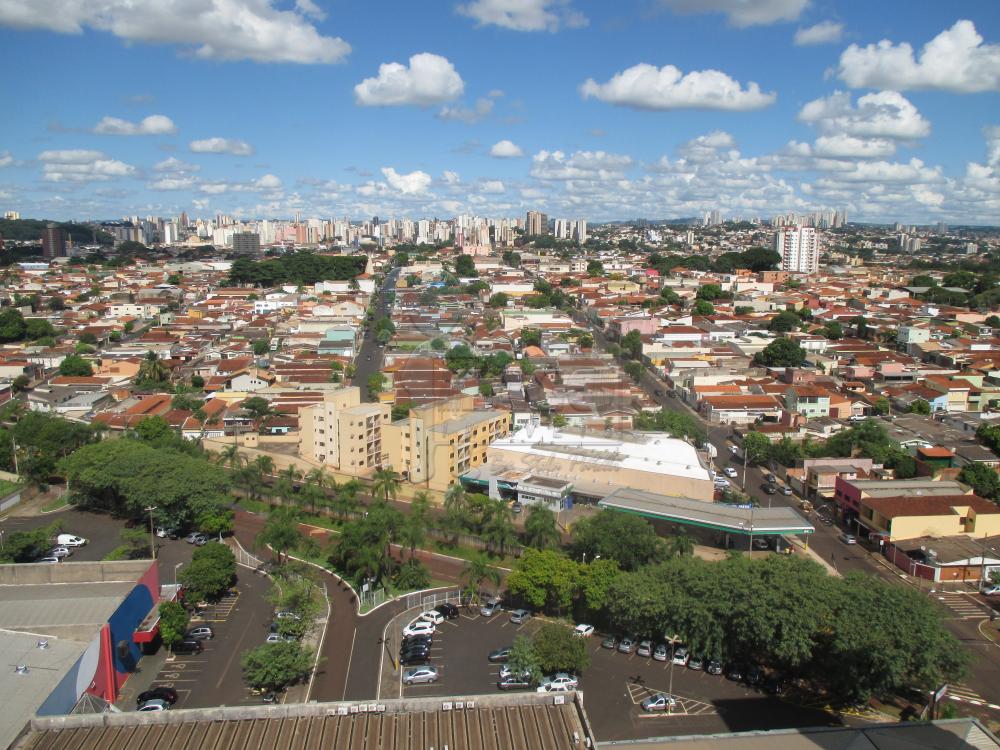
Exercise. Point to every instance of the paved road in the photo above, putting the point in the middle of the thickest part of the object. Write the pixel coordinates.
(369, 359)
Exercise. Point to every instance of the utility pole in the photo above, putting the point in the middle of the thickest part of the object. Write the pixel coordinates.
(152, 536)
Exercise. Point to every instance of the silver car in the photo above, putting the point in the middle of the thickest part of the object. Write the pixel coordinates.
(519, 615)
(627, 645)
(490, 607)
(419, 675)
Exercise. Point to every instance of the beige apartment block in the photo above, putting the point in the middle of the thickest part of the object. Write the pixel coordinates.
(344, 433)
(440, 441)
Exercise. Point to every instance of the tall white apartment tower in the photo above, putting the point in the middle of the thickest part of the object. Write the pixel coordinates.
(799, 249)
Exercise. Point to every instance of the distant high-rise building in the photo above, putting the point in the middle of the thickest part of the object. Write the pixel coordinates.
(536, 223)
(799, 249)
(53, 242)
(12, 215)
(942, 228)
(184, 221)
(246, 242)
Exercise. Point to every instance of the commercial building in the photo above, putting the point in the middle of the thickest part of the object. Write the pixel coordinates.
(597, 463)
(53, 242)
(71, 629)
(442, 440)
(799, 249)
(246, 243)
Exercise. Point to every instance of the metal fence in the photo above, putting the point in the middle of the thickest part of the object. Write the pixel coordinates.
(430, 599)
(243, 557)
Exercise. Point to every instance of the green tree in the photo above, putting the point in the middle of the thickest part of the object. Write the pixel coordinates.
(632, 344)
(498, 300)
(680, 544)
(920, 406)
(531, 337)
(629, 539)
(152, 372)
(523, 660)
(833, 330)
(881, 406)
(173, 623)
(597, 578)
(258, 408)
(385, 485)
(540, 529)
(784, 322)
(12, 326)
(485, 389)
(376, 383)
(261, 347)
(556, 648)
(710, 292)
(545, 579)
(210, 573)
(478, 570)
(498, 526)
(280, 532)
(274, 666)
(75, 366)
(701, 307)
(983, 480)
(669, 296)
(595, 268)
(558, 420)
(465, 266)
(782, 352)
(633, 370)
(757, 448)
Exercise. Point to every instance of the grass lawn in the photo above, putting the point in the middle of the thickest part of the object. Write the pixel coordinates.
(58, 504)
(7, 488)
(467, 553)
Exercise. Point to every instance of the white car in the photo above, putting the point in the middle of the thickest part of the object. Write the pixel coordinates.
(419, 675)
(419, 627)
(60, 552)
(583, 631)
(432, 616)
(990, 589)
(733, 449)
(659, 702)
(681, 656)
(557, 683)
(721, 482)
(69, 540)
(49, 559)
(273, 638)
(730, 472)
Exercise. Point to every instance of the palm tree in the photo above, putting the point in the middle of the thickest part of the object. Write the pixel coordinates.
(680, 544)
(456, 508)
(498, 526)
(540, 529)
(346, 500)
(231, 457)
(151, 370)
(477, 570)
(291, 473)
(385, 485)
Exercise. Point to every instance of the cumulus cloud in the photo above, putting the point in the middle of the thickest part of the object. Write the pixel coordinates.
(482, 109)
(152, 125)
(743, 13)
(221, 146)
(177, 181)
(824, 32)
(882, 114)
(847, 146)
(211, 29)
(956, 60)
(524, 15)
(645, 86)
(992, 135)
(581, 165)
(492, 186)
(414, 183)
(6, 159)
(267, 182)
(706, 147)
(80, 165)
(173, 164)
(505, 149)
(429, 79)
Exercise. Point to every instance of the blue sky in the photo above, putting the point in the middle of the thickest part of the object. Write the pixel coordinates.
(599, 110)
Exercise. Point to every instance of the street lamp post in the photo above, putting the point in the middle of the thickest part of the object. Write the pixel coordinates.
(175, 577)
(152, 536)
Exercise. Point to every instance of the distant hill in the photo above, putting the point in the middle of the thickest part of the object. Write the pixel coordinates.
(28, 230)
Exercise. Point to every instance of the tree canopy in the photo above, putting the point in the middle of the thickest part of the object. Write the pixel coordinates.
(301, 267)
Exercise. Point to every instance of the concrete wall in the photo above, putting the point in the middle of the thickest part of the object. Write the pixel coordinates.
(73, 572)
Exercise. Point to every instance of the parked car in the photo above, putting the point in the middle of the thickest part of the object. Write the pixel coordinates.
(557, 683)
(163, 532)
(770, 479)
(415, 639)
(518, 616)
(419, 627)
(514, 682)
(70, 540)
(645, 649)
(714, 667)
(848, 538)
(450, 611)
(696, 663)
(191, 537)
(273, 638)
(774, 685)
(992, 589)
(755, 676)
(661, 652)
(681, 656)
(730, 472)
(733, 449)
(626, 645)
(60, 552)
(761, 543)
(414, 658)
(499, 655)
(507, 671)
(769, 489)
(583, 631)
(734, 673)
(432, 616)
(200, 633)
(419, 675)
(490, 607)
(516, 507)
(287, 615)
(659, 702)
(610, 641)
(188, 646)
(785, 490)
(49, 559)
(154, 705)
(158, 693)
(721, 483)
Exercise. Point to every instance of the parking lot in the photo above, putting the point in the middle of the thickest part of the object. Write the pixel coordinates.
(614, 685)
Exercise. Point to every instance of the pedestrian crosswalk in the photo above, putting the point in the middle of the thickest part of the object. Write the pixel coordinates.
(964, 694)
(963, 605)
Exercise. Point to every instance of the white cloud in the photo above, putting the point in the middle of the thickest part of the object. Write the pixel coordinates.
(79, 165)
(524, 15)
(309, 8)
(221, 146)
(214, 188)
(6, 159)
(451, 178)
(495, 93)
(743, 12)
(506, 149)
(824, 32)
(482, 109)
(212, 29)
(267, 182)
(429, 79)
(414, 183)
(174, 182)
(492, 186)
(581, 165)
(847, 146)
(955, 60)
(152, 125)
(992, 135)
(645, 86)
(706, 147)
(882, 114)
(173, 164)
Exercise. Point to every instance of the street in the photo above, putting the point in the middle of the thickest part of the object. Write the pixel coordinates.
(369, 359)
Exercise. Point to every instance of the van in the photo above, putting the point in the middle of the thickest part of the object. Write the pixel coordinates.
(70, 540)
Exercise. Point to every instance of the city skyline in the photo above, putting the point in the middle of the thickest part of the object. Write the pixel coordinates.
(495, 107)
